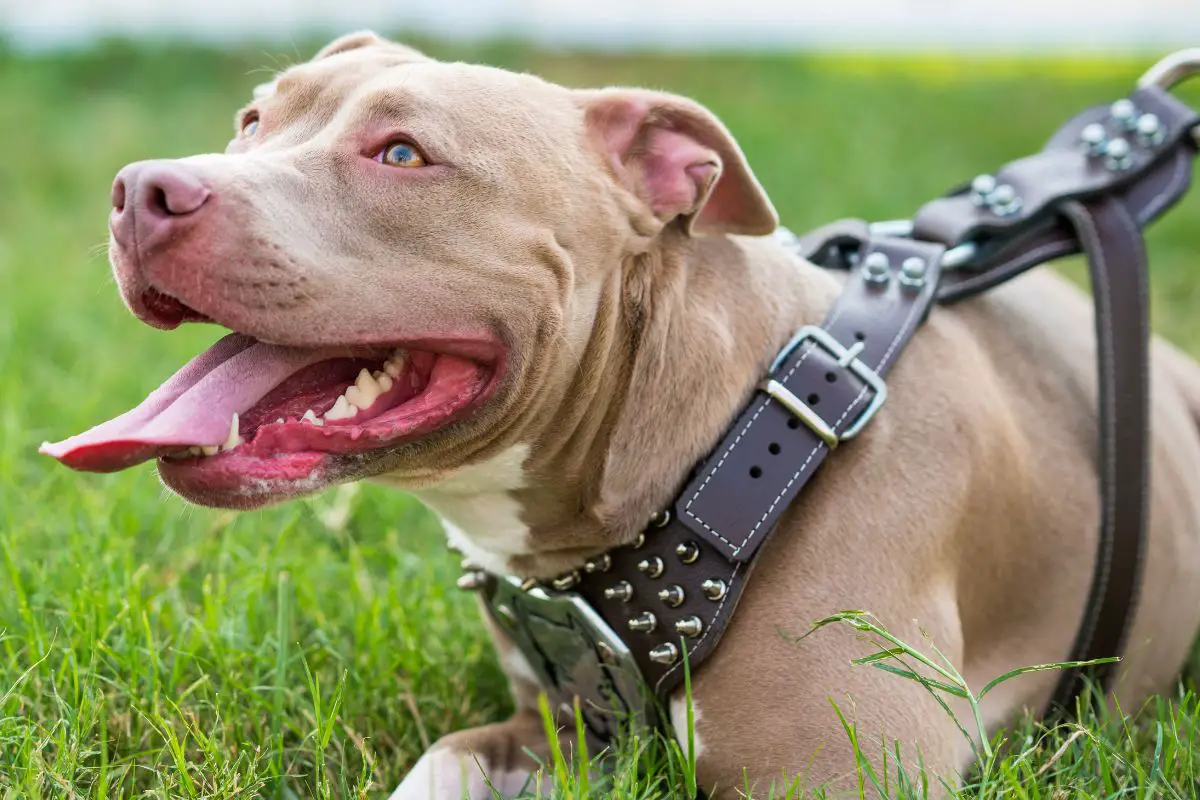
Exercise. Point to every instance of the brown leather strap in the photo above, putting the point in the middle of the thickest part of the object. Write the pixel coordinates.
(1117, 260)
(735, 498)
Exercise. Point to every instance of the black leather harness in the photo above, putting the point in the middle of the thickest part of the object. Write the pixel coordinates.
(615, 633)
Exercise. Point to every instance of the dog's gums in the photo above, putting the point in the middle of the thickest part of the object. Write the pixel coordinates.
(249, 419)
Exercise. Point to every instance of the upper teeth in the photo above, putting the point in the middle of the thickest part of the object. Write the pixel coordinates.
(367, 388)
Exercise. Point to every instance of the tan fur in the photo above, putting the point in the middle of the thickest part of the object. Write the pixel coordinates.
(968, 508)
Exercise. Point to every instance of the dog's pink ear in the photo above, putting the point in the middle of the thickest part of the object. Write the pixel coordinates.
(361, 39)
(679, 159)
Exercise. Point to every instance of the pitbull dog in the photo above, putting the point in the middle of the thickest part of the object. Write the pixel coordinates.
(536, 308)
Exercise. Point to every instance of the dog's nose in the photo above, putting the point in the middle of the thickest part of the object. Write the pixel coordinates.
(152, 199)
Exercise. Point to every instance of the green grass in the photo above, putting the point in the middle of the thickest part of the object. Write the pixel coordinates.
(151, 649)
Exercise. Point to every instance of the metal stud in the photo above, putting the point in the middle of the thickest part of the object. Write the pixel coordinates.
(912, 272)
(1150, 130)
(643, 623)
(665, 654)
(981, 189)
(472, 581)
(690, 626)
(1094, 138)
(653, 566)
(639, 541)
(672, 596)
(659, 519)
(877, 268)
(714, 588)
(602, 563)
(1119, 155)
(1005, 201)
(688, 552)
(1125, 113)
(622, 590)
(564, 582)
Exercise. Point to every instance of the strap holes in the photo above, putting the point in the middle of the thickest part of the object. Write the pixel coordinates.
(794, 423)
(831, 377)
(755, 472)
(773, 448)
(859, 336)
(812, 400)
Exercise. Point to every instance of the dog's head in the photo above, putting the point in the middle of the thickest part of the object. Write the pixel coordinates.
(408, 252)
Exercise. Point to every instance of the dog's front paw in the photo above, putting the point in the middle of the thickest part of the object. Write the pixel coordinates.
(446, 773)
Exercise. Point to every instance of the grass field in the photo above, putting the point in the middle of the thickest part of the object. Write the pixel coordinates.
(151, 649)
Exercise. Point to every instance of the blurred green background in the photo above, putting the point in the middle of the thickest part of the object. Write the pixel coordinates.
(315, 649)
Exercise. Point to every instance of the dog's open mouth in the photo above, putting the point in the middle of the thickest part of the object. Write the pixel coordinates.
(247, 415)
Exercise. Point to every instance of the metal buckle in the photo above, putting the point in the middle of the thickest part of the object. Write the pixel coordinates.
(573, 652)
(847, 358)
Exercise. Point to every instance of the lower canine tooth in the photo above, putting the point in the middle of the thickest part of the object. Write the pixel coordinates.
(341, 410)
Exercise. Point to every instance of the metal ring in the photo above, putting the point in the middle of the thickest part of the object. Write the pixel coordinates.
(1170, 71)
(954, 258)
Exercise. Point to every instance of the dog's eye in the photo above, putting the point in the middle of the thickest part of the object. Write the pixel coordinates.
(250, 124)
(402, 154)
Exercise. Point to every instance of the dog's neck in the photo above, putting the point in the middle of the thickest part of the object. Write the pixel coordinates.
(680, 337)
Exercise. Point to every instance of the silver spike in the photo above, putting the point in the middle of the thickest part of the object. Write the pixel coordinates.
(912, 272)
(601, 563)
(643, 623)
(714, 588)
(472, 581)
(564, 582)
(653, 566)
(981, 189)
(1118, 156)
(690, 626)
(1094, 138)
(1125, 113)
(688, 552)
(877, 268)
(1005, 202)
(1150, 130)
(622, 591)
(672, 596)
(665, 654)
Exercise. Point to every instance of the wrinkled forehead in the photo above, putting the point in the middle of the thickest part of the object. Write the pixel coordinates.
(452, 101)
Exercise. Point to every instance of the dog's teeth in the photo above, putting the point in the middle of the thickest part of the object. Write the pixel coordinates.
(279, 421)
(209, 449)
(341, 410)
(365, 390)
(234, 439)
(395, 364)
(385, 381)
(310, 416)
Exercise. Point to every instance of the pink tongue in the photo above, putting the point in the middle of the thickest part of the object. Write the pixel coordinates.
(194, 407)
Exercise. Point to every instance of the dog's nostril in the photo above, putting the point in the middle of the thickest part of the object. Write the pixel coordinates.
(158, 201)
(118, 195)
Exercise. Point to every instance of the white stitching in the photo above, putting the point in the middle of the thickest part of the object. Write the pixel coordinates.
(710, 626)
(908, 323)
(700, 489)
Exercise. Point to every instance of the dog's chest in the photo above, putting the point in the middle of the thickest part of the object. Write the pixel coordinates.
(481, 517)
